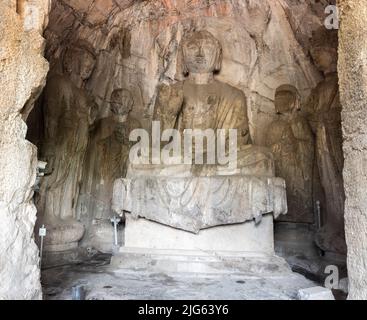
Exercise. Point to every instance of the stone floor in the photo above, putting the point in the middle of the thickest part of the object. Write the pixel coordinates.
(101, 283)
(294, 242)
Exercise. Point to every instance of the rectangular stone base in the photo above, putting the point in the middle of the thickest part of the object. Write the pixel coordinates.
(52, 259)
(249, 264)
(244, 237)
(246, 248)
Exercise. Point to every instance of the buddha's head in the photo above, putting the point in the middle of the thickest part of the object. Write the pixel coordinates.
(121, 103)
(79, 61)
(287, 99)
(324, 50)
(93, 111)
(201, 53)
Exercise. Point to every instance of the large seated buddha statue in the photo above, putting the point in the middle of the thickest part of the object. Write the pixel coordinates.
(198, 195)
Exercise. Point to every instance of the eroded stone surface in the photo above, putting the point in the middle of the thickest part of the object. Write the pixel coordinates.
(197, 203)
(211, 194)
(136, 45)
(22, 76)
(106, 283)
(353, 94)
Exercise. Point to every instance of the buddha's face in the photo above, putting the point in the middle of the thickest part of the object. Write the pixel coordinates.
(121, 102)
(87, 65)
(80, 62)
(324, 58)
(202, 53)
(285, 101)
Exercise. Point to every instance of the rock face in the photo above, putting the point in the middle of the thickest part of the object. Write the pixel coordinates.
(22, 75)
(353, 94)
(135, 45)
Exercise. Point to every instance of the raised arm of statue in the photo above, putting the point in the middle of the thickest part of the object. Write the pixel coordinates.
(305, 144)
(241, 121)
(168, 105)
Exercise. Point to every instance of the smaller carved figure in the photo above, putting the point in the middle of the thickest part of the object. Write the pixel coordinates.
(324, 114)
(106, 160)
(107, 156)
(292, 143)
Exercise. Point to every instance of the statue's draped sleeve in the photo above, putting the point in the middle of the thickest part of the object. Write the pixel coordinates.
(168, 105)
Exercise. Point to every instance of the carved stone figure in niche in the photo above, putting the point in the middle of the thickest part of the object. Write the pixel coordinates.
(195, 197)
(106, 160)
(69, 113)
(292, 143)
(115, 148)
(324, 110)
(202, 102)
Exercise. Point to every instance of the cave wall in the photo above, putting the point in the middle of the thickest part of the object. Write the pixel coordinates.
(353, 84)
(266, 44)
(22, 75)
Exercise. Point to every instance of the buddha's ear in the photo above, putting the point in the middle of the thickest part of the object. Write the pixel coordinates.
(185, 70)
(181, 65)
(218, 60)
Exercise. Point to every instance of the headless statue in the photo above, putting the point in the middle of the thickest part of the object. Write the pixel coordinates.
(292, 143)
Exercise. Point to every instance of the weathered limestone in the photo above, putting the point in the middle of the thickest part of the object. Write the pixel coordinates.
(197, 203)
(220, 207)
(136, 45)
(242, 237)
(209, 194)
(22, 75)
(353, 94)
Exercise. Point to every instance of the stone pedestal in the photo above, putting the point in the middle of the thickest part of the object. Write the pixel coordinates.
(63, 236)
(244, 237)
(241, 248)
(210, 224)
(61, 244)
(197, 203)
